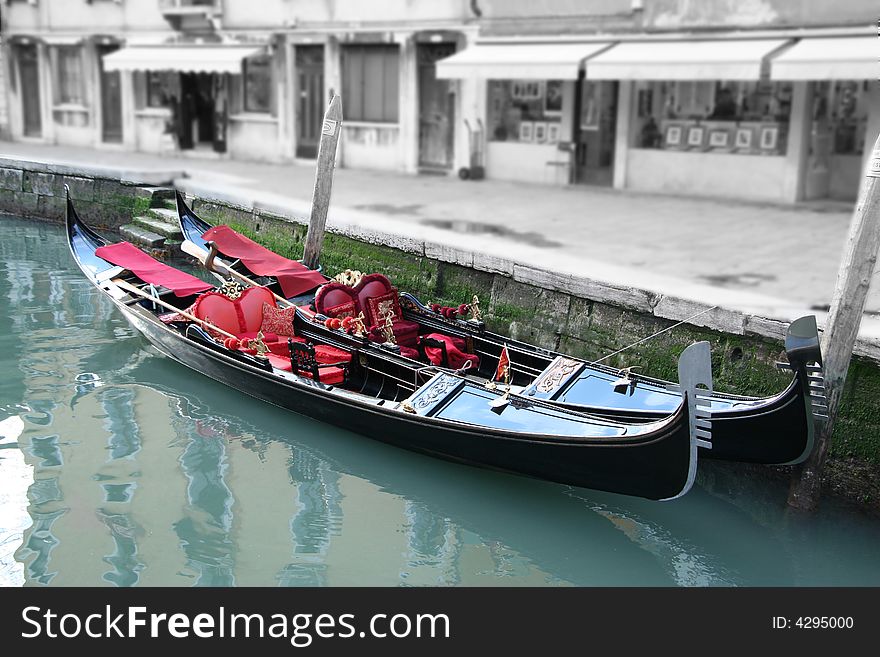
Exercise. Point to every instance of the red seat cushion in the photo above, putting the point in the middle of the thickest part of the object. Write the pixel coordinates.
(327, 354)
(406, 333)
(279, 362)
(454, 352)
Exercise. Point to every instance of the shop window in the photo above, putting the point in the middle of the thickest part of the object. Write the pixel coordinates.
(68, 76)
(747, 118)
(840, 113)
(370, 77)
(258, 84)
(525, 110)
(157, 93)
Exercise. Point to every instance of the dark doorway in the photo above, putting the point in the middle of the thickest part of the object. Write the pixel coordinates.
(436, 108)
(310, 103)
(111, 99)
(29, 75)
(596, 132)
(197, 111)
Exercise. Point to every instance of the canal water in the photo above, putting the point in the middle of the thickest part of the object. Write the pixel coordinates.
(119, 467)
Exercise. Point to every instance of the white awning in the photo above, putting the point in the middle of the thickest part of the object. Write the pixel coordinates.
(829, 58)
(61, 40)
(719, 59)
(521, 61)
(183, 58)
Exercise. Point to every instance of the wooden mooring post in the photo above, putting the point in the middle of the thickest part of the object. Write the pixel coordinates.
(842, 327)
(330, 130)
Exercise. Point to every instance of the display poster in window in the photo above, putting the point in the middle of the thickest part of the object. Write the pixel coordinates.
(769, 137)
(526, 90)
(672, 138)
(540, 132)
(553, 133)
(743, 138)
(526, 131)
(553, 98)
(696, 135)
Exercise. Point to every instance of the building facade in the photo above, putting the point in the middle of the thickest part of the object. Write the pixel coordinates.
(772, 100)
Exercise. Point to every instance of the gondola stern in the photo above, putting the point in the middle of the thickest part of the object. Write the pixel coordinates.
(695, 379)
(804, 351)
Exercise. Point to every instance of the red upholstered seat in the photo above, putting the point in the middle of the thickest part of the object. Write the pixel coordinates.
(327, 354)
(455, 352)
(376, 297)
(305, 362)
(337, 300)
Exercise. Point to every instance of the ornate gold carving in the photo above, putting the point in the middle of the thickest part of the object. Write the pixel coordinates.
(359, 328)
(259, 345)
(553, 377)
(388, 323)
(407, 407)
(231, 288)
(476, 315)
(350, 277)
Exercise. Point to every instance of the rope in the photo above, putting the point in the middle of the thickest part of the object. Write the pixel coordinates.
(650, 337)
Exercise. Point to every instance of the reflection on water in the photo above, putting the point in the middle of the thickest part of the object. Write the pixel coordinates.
(119, 467)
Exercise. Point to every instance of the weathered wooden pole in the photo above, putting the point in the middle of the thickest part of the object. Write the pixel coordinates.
(323, 181)
(842, 327)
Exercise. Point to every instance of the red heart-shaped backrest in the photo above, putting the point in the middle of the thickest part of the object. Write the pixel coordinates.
(236, 316)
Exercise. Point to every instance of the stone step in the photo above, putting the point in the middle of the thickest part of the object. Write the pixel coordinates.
(156, 195)
(168, 215)
(142, 236)
(159, 226)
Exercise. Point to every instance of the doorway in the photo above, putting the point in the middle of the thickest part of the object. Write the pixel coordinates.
(310, 101)
(111, 99)
(29, 76)
(596, 129)
(197, 110)
(436, 108)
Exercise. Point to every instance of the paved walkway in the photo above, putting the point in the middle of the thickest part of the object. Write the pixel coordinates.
(711, 250)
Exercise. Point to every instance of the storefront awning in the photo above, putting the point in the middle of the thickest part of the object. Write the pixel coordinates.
(522, 61)
(183, 58)
(829, 58)
(719, 59)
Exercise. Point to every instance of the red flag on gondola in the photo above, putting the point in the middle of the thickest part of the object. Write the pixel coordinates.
(503, 369)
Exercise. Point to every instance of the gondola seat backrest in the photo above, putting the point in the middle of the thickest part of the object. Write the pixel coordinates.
(240, 316)
(337, 300)
(377, 297)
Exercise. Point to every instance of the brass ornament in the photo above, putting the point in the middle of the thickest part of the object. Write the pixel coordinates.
(476, 315)
(388, 327)
(350, 277)
(259, 345)
(407, 407)
(231, 288)
(359, 328)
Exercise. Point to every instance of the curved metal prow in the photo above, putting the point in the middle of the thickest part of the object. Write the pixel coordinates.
(695, 379)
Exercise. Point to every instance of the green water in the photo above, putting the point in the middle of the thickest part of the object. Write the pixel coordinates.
(119, 467)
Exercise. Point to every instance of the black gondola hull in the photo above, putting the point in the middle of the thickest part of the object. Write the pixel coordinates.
(657, 468)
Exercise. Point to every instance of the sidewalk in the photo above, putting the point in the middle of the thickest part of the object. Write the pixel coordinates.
(735, 254)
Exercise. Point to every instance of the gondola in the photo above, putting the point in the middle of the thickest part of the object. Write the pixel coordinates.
(447, 416)
(776, 430)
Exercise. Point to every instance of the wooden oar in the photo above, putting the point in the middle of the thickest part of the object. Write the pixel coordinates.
(208, 260)
(134, 290)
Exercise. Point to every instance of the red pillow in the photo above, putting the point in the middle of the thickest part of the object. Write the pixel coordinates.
(341, 311)
(277, 320)
(379, 306)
